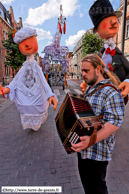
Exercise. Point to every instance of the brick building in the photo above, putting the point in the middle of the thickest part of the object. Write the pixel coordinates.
(7, 22)
(118, 38)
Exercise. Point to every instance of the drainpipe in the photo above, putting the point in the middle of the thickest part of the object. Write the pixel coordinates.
(123, 25)
(1, 63)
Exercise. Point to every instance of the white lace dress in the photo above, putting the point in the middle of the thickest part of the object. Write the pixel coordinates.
(30, 92)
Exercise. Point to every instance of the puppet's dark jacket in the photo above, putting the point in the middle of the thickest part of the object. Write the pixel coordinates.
(121, 67)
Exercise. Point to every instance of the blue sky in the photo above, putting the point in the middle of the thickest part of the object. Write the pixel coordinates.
(43, 15)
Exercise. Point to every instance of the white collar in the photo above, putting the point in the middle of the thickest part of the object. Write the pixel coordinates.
(30, 58)
(109, 43)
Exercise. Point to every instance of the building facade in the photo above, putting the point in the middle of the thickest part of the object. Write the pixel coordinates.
(7, 23)
(119, 35)
(77, 54)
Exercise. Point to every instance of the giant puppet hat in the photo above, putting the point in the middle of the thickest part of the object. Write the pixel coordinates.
(100, 10)
(23, 34)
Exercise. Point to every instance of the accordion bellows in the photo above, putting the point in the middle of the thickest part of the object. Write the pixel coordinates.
(75, 118)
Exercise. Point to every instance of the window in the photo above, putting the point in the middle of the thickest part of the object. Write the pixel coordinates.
(127, 29)
(8, 20)
(6, 70)
(1, 13)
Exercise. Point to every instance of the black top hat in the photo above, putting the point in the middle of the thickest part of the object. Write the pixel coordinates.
(102, 9)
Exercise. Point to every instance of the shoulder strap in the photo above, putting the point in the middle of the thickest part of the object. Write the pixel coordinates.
(103, 87)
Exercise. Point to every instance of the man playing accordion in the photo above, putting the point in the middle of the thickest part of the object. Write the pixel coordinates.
(95, 153)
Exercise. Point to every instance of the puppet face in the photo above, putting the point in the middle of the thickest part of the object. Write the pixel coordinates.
(29, 46)
(108, 27)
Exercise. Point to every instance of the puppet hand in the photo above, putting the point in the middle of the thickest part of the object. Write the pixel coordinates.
(4, 90)
(124, 87)
(53, 101)
(81, 145)
(83, 87)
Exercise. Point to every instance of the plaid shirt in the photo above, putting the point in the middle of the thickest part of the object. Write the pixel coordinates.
(109, 103)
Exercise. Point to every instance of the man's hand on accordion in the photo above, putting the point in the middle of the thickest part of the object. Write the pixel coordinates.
(103, 133)
(81, 145)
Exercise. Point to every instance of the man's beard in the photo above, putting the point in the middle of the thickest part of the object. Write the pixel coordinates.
(93, 81)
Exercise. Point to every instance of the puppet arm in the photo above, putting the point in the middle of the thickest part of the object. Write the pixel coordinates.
(124, 87)
(4, 91)
(125, 64)
(83, 87)
(13, 84)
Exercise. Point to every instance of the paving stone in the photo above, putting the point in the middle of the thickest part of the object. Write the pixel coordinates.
(78, 191)
(73, 182)
(67, 188)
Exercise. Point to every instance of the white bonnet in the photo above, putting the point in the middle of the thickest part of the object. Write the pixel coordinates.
(23, 34)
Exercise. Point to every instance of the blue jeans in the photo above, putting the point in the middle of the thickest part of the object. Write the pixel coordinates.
(92, 174)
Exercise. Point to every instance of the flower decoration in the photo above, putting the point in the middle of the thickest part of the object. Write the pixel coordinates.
(14, 33)
(110, 67)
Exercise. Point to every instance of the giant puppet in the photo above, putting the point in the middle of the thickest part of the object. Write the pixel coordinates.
(29, 88)
(55, 53)
(105, 21)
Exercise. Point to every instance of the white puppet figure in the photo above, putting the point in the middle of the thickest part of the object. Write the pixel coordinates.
(29, 88)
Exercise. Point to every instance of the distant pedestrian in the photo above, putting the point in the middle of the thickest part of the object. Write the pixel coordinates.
(95, 151)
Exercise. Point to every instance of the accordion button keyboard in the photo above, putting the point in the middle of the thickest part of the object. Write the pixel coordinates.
(89, 123)
(74, 138)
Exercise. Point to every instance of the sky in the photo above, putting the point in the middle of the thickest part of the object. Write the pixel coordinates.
(43, 16)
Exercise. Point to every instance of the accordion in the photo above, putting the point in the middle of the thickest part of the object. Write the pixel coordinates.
(75, 118)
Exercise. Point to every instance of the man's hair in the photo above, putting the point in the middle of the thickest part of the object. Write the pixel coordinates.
(95, 60)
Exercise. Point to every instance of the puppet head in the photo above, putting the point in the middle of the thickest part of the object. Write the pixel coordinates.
(26, 38)
(104, 19)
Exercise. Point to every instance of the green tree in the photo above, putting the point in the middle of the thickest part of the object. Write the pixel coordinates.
(14, 58)
(91, 43)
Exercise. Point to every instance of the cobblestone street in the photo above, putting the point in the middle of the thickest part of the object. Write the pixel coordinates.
(29, 158)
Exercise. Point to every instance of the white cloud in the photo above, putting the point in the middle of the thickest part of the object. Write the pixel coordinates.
(48, 43)
(72, 41)
(7, 1)
(42, 34)
(81, 15)
(49, 10)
